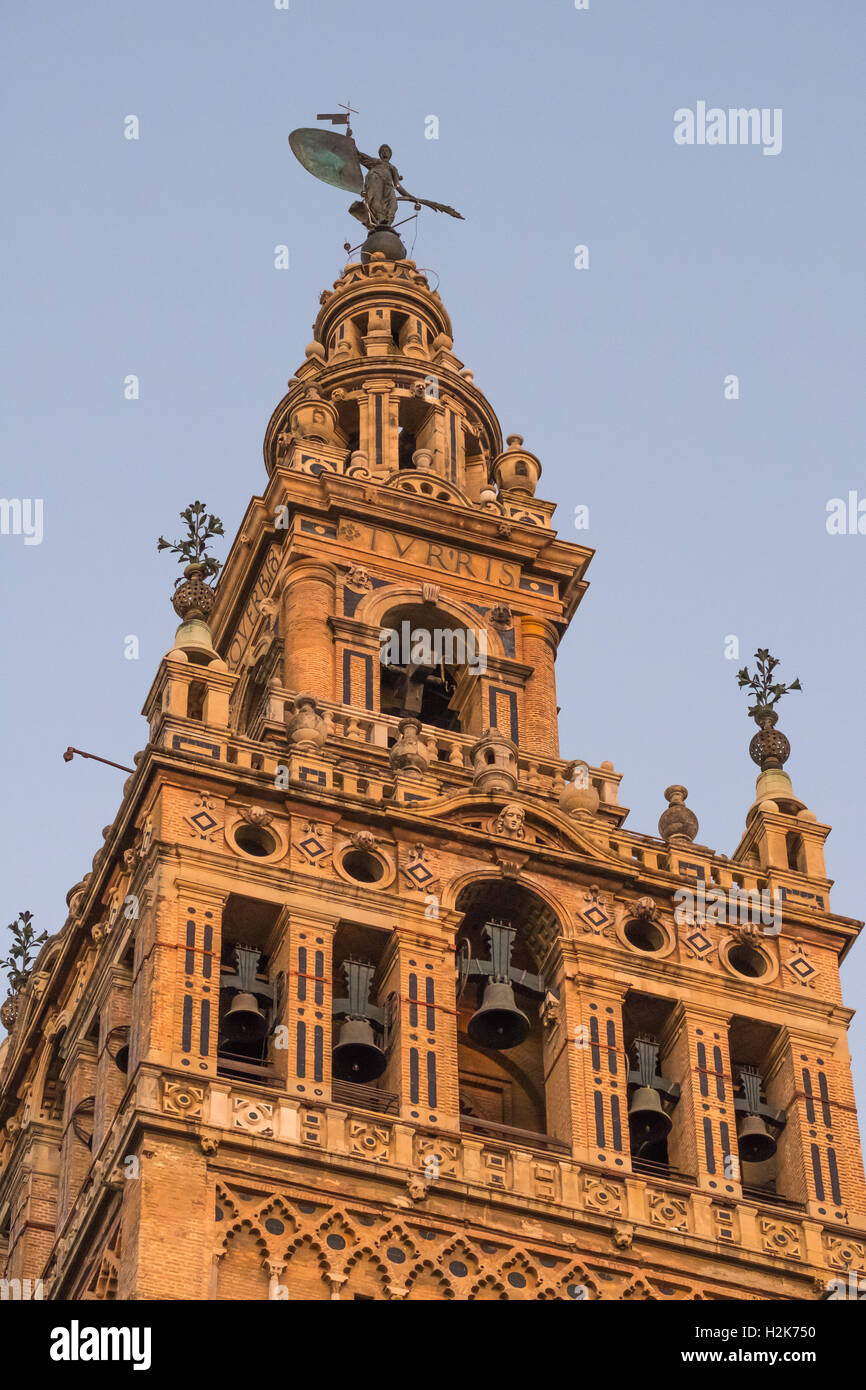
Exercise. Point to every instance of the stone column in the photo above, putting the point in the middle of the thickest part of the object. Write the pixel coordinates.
(111, 1082)
(175, 1002)
(539, 732)
(379, 428)
(593, 1036)
(310, 989)
(418, 971)
(167, 1231)
(703, 1141)
(33, 1220)
(819, 1158)
(308, 603)
(79, 1080)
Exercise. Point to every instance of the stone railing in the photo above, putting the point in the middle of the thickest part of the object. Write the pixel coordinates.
(663, 1204)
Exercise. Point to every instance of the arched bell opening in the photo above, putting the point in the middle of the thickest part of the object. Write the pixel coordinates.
(364, 1069)
(416, 428)
(795, 852)
(53, 1098)
(654, 1134)
(758, 1135)
(196, 696)
(504, 935)
(247, 1012)
(424, 654)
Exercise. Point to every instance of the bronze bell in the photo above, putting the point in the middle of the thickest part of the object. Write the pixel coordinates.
(244, 1022)
(647, 1121)
(756, 1142)
(498, 1023)
(357, 1056)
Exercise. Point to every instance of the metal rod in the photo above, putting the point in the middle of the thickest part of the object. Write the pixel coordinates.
(70, 754)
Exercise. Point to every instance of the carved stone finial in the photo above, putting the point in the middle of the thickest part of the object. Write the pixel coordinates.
(516, 470)
(193, 598)
(769, 748)
(579, 797)
(316, 420)
(494, 760)
(409, 754)
(305, 726)
(678, 822)
(9, 1011)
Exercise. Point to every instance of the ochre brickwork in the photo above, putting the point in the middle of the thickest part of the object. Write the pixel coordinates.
(390, 817)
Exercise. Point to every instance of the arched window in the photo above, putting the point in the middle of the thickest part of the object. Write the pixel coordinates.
(423, 655)
(505, 933)
(51, 1107)
(658, 1134)
(195, 700)
(795, 852)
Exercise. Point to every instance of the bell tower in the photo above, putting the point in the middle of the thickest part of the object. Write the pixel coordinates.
(370, 993)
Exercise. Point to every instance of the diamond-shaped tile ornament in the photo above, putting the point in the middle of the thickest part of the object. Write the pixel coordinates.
(801, 966)
(699, 943)
(420, 873)
(312, 847)
(595, 915)
(202, 823)
(417, 872)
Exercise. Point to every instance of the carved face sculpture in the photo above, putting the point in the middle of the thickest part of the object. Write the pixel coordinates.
(358, 578)
(510, 820)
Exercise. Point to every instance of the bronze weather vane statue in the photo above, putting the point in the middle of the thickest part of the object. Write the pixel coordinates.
(336, 159)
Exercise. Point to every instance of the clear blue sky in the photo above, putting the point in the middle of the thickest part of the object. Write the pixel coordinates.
(156, 258)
